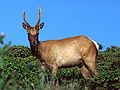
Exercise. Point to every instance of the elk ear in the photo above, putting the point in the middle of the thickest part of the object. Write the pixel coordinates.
(41, 25)
(24, 25)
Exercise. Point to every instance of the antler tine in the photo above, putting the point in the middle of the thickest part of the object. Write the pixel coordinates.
(25, 19)
(39, 16)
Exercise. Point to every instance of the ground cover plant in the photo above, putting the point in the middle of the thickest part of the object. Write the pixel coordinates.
(19, 70)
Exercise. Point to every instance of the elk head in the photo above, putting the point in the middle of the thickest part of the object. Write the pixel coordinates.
(33, 32)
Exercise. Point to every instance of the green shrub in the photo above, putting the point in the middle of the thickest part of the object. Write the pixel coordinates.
(18, 51)
(109, 67)
(19, 64)
(21, 69)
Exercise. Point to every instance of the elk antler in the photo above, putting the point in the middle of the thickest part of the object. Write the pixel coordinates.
(25, 19)
(39, 15)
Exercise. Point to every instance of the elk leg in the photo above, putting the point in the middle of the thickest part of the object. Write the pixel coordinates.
(85, 73)
(54, 72)
(91, 65)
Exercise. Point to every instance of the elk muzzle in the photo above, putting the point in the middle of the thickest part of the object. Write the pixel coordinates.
(33, 39)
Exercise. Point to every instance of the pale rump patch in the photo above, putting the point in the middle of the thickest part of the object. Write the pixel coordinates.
(97, 46)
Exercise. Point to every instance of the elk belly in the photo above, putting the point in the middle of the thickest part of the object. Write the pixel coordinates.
(69, 60)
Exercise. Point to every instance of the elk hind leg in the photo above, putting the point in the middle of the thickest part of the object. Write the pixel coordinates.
(91, 65)
(84, 71)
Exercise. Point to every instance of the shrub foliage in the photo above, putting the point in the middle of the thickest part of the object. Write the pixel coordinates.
(20, 65)
(22, 70)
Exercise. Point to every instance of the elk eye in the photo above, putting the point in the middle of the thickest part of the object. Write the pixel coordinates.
(28, 27)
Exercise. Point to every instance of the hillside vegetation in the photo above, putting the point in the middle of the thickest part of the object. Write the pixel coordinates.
(19, 70)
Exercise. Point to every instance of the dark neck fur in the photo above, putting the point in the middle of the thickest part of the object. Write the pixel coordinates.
(34, 48)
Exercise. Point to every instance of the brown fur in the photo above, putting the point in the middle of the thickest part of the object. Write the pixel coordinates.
(75, 51)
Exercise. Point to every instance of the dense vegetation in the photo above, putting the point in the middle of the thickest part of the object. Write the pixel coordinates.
(20, 70)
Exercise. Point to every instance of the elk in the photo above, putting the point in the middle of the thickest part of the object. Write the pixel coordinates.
(68, 52)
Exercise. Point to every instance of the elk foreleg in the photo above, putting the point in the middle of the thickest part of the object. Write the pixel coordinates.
(54, 72)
